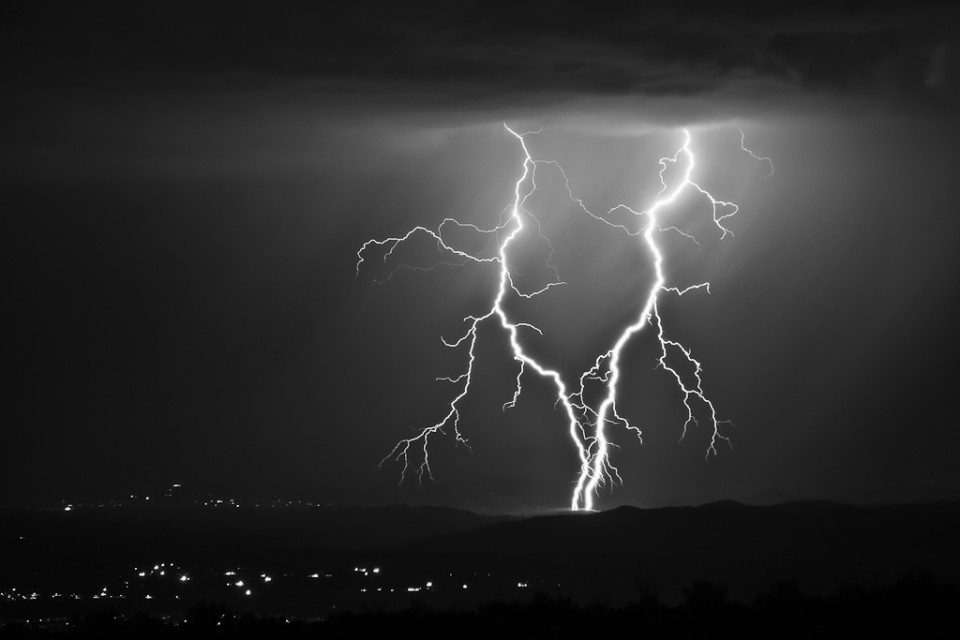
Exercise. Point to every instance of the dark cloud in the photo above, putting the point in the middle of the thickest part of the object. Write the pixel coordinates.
(186, 202)
(468, 52)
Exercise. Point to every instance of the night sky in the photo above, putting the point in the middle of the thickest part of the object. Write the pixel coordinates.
(184, 188)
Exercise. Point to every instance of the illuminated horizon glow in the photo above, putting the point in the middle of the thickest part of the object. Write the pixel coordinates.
(586, 425)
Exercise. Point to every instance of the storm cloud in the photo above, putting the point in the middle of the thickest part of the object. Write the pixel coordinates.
(471, 54)
(186, 186)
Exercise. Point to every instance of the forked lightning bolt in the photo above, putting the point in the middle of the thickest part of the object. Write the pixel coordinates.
(586, 425)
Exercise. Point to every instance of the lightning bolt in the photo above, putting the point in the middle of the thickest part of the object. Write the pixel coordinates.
(759, 158)
(586, 426)
(512, 228)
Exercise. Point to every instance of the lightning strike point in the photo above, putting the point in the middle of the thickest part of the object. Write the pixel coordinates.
(586, 425)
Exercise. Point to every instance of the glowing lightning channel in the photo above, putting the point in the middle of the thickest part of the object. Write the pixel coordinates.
(600, 467)
(593, 450)
(758, 158)
(402, 450)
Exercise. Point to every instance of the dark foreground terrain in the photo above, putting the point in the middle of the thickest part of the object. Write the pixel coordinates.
(914, 606)
(303, 570)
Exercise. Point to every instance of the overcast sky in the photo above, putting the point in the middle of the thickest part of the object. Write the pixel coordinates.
(185, 190)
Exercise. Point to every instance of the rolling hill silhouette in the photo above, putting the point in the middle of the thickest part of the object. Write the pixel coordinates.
(604, 555)
(822, 544)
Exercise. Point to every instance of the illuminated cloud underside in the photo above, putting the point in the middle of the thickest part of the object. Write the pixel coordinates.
(587, 426)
